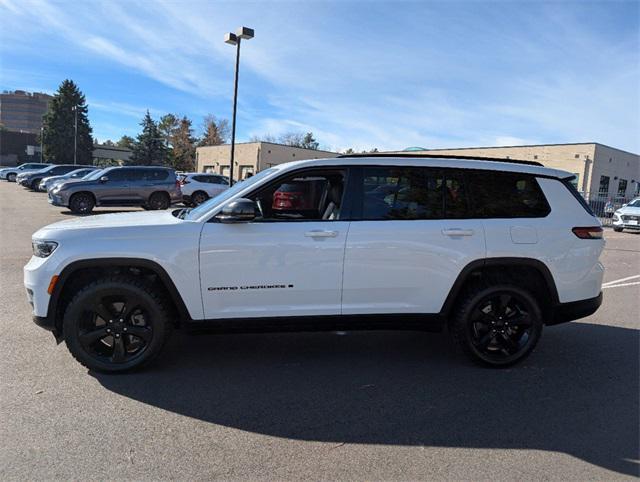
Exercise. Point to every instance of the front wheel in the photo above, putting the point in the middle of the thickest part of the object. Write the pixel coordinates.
(11, 177)
(497, 326)
(81, 203)
(116, 324)
(618, 230)
(34, 184)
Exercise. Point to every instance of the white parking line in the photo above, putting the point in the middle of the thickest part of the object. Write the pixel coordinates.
(621, 285)
(620, 280)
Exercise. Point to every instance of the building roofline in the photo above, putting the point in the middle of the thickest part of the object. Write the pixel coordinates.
(111, 148)
(273, 144)
(527, 145)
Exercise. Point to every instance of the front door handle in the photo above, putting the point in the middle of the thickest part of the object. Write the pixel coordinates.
(319, 233)
(457, 232)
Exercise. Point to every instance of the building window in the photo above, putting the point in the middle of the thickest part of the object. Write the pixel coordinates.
(610, 159)
(604, 185)
(622, 187)
(577, 156)
(211, 169)
(535, 156)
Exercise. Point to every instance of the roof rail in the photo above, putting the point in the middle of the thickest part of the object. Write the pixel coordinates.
(441, 156)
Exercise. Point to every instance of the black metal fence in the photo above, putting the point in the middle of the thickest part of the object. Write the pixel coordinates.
(604, 206)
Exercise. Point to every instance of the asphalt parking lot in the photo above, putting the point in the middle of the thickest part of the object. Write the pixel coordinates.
(367, 405)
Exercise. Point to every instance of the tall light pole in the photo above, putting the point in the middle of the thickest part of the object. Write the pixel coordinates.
(41, 143)
(235, 39)
(75, 135)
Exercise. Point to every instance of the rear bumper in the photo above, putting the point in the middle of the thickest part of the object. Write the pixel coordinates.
(575, 310)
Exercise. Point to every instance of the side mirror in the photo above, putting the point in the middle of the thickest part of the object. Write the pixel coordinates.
(104, 179)
(624, 205)
(238, 211)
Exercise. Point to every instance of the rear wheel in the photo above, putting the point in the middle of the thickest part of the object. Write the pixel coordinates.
(116, 324)
(81, 203)
(11, 177)
(498, 325)
(199, 197)
(158, 200)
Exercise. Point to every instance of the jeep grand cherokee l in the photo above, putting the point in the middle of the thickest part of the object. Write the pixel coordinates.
(492, 251)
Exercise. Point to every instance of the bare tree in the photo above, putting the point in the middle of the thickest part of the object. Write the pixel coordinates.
(215, 131)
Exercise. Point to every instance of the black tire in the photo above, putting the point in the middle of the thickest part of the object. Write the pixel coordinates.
(158, 200)
(618, 230)
(11, 177)
(82, 203)
(34, 184)
(198, 198)
(116, 324)
(497, 325)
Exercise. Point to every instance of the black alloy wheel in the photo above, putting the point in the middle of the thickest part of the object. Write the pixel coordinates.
(199, 197)
(498, 326)
(158, 201)
(34, 184)
(81, 203)
(115, 324)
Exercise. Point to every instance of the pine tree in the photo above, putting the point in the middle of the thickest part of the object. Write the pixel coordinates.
(126, 142)
(216, 131)
(59, 130)
(183, 146)
(149, 147)
(309, 142)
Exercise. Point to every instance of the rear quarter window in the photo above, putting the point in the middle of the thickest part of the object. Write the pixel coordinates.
(506, 195)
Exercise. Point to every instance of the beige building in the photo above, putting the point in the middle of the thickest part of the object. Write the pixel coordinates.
(251, 157)
(601, 170)
(22, 111)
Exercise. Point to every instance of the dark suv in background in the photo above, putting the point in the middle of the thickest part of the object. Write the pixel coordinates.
(32, 179)
(148, 187)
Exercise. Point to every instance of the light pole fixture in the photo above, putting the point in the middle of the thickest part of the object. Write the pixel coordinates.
(75, 134)
(41, 143)
(235, 39)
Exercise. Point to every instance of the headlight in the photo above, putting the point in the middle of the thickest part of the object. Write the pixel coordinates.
(615, 217)
(43, 249)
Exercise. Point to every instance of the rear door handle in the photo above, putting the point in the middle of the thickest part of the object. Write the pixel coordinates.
(318, 233)
(457, 232)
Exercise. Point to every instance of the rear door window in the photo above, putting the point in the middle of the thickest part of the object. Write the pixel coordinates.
(155, 175)
(402, 193)
(506, 195)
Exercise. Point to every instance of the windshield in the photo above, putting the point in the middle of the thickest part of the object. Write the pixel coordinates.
(94, 175)
(635, 203)
(228, 194)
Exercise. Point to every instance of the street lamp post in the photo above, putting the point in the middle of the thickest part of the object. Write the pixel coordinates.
(75, 134)
(235, 39)
(41, 143)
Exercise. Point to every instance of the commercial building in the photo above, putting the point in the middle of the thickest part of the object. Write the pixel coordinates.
(22, 111)
(252, 157)
(105, 154)
(601, 171)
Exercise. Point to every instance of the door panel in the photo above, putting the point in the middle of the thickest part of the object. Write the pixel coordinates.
(272, 268)
(406, 266)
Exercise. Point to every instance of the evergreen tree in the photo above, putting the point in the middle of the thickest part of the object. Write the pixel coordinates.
(216, 131)
(167, 126)
(308, 141)
(183, 146)
(149, 147)
(126, 142)
(59, 127)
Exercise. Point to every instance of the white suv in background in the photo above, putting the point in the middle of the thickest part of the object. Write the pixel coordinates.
(492, 251)
(197, 187)
(628, 216)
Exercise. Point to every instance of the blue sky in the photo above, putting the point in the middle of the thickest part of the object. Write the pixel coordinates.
(358, 74)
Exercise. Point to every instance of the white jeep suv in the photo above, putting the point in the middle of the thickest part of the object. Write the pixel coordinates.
(490, 250)
(198, 187)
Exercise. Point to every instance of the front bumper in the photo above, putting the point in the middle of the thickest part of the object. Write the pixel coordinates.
(56, 199)
(575, 310)
(626, 223)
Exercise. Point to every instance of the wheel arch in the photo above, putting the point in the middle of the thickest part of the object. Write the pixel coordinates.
(77, 273)
(512, 269)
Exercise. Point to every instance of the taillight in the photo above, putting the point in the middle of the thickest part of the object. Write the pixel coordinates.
(591, 232)
(184, 181)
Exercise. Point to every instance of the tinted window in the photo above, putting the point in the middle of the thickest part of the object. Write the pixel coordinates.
(506, 195)
(155, 174)
(202, 178)
(402, 193)
(117, 174)
(62, 169)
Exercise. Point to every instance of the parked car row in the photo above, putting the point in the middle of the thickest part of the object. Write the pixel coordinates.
(81, 188)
